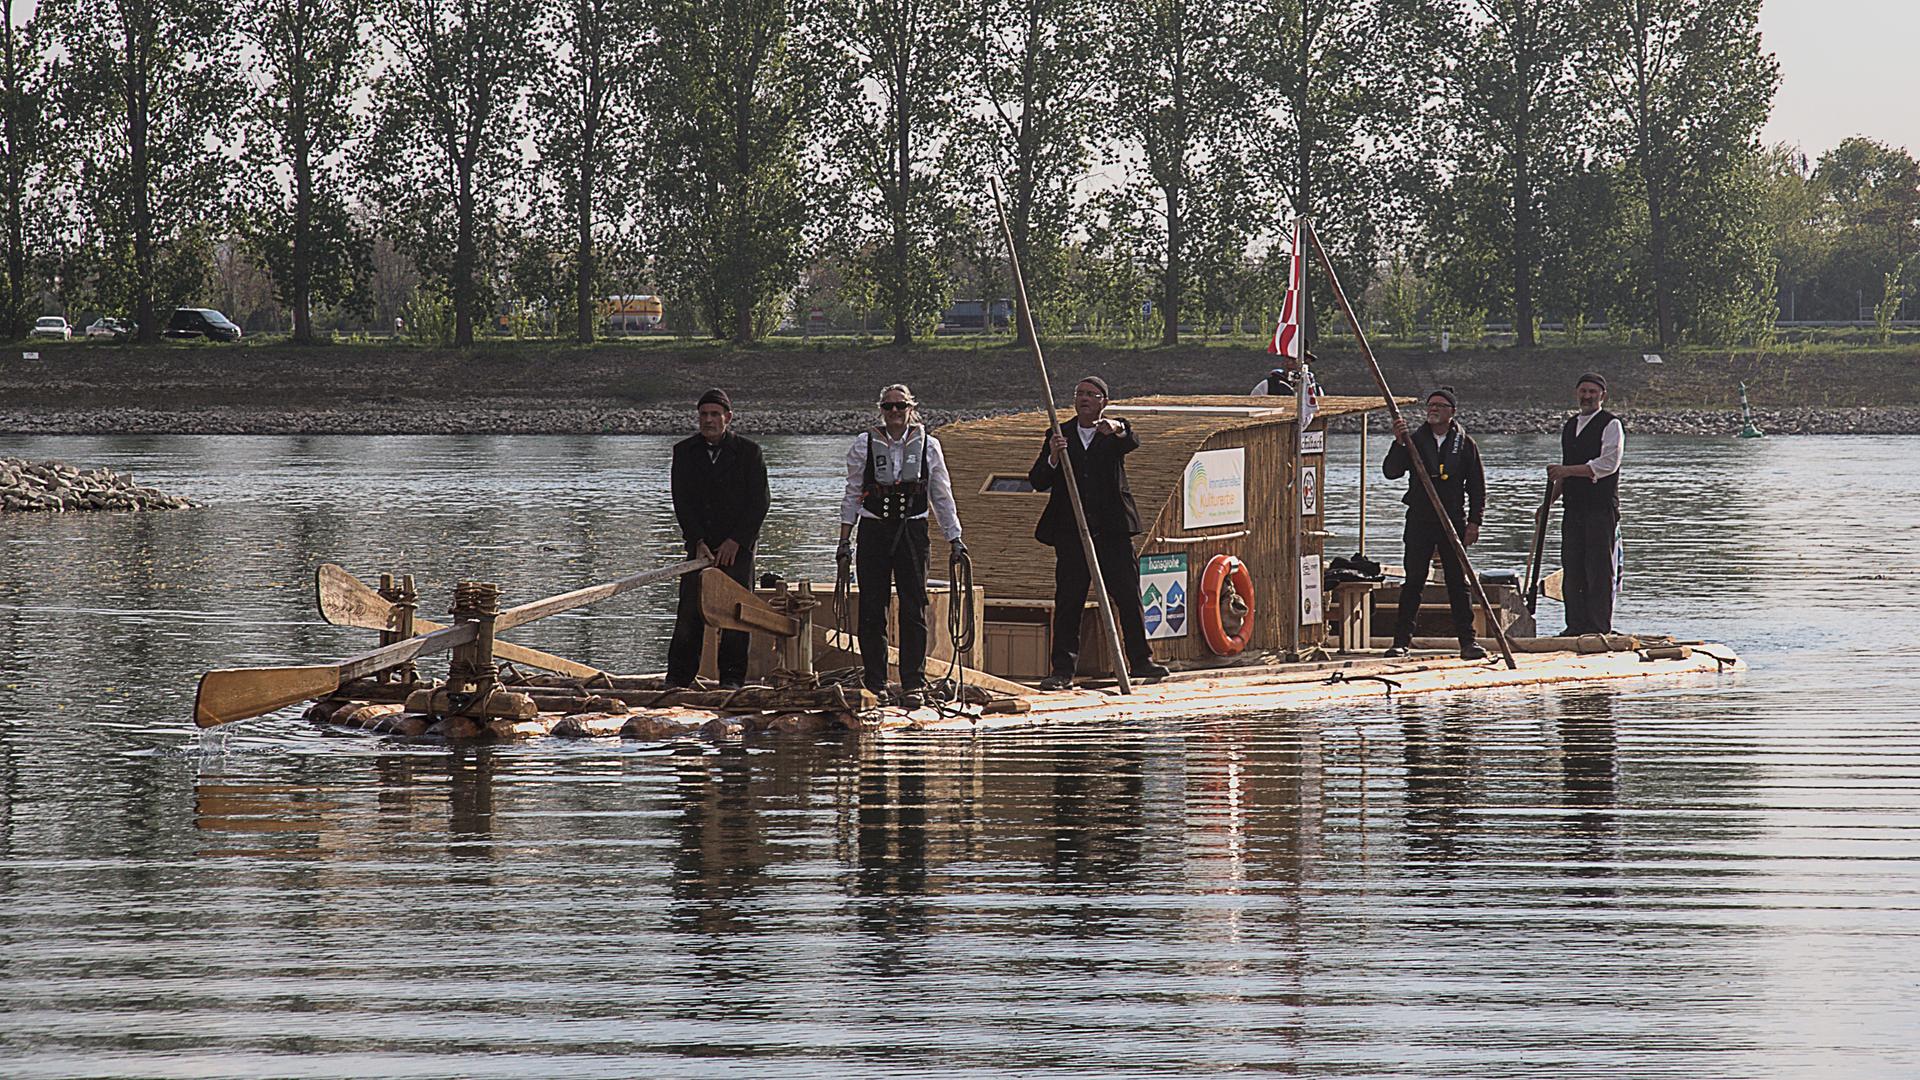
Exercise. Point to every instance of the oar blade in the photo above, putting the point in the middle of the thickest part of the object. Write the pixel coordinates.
(1554, 586)
(345, 600)
(729, 605)
(233, 694)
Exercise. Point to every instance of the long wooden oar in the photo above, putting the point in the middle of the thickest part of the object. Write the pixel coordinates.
(233, 694)
(1120, 658)
(238, 693)
(345, 600)
(1419, 465)
(1539, 547)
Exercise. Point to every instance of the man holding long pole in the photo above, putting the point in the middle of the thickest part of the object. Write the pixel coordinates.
(1095, 446)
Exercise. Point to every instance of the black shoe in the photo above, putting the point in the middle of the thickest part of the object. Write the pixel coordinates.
(1397, 649)
(732, 684)
(912, 699)
(1471, 650)
(1056, 681)
(1150, 671)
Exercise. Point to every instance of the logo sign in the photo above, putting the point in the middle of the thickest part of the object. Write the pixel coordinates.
(1310, 610)
(1163, 595)
(29, 356)
(1214, 488)
(1309, 490)
(1313, 442)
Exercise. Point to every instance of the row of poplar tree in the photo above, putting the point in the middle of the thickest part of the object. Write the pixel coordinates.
(1533, 159)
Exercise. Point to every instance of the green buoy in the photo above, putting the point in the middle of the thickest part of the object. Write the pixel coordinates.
(1747, 428)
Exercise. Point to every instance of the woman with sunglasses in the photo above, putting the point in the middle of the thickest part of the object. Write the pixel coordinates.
(896, 475)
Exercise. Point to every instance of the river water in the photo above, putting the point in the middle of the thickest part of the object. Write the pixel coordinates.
(1716, 877)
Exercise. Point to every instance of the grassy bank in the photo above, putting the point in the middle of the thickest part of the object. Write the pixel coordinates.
(396, 380)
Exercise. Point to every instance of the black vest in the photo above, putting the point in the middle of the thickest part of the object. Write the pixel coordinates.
(897, 502)
(1583, 495)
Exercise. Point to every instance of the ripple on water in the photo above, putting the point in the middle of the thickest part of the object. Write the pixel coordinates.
(1709, 878)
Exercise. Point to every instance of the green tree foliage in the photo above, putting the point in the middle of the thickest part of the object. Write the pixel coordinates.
(1515, 79)
(1181, 93)
(1791, 208)
(312, 65)
(1036, 71)
(726, 98)
(1687, 87)
(894, 115)
(151, 83)
(582, 109)
(1341, 86)
(446, 135)
(27, 171)
(1869, 195)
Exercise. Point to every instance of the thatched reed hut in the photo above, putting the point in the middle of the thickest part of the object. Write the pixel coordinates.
(1213, 476)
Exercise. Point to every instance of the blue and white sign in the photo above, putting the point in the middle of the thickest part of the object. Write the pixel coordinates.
(1163, 595)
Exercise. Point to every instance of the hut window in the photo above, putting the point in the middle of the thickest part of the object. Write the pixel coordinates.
(1007, 484)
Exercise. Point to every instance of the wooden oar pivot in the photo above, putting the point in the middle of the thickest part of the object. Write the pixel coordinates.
(400, 623)
(796, 652)
(472, 687)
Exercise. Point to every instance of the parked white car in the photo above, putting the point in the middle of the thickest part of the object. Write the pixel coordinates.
(52, 326)
(112, 329)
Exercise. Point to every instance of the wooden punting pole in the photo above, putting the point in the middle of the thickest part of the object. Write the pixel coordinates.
(1066, 467)
(1419, 466)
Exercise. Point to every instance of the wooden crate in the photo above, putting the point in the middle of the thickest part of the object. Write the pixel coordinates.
(1018, 650)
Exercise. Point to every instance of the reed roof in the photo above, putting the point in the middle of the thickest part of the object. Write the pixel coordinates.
(1008, 562)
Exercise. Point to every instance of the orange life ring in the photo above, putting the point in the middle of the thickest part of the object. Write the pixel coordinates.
(1212, 627)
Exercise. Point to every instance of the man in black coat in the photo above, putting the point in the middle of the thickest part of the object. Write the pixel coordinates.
(721, 497)
(1591, 444)
(1453, 461)
(1097, 446)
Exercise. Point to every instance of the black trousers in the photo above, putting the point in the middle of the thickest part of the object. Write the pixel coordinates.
(893, 558)
(1071, 579)
(690, 630)
(1423, 537)
(1586, 554)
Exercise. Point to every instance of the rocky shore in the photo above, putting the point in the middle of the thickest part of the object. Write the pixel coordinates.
(509, 418)
(54, 487)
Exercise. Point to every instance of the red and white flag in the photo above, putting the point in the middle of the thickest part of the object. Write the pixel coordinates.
(1286, 334)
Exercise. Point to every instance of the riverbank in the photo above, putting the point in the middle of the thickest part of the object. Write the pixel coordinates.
(648, 387)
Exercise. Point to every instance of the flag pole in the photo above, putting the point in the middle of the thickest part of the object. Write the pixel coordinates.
(1112, 628)
(1296, 513)
(1419, 464)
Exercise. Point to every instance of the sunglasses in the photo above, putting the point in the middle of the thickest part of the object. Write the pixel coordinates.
(895, 406)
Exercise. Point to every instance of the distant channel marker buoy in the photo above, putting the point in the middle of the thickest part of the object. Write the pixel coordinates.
(1748, 430)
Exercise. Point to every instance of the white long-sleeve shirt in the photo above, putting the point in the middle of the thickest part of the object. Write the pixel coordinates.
(1613, 442)
(939, 484)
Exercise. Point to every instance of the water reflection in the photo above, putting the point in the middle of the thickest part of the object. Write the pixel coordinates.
(1672, 879)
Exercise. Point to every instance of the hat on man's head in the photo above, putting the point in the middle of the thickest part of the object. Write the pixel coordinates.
(1444, 392)
(1100, 383)
(716, 396)
(1594, 378)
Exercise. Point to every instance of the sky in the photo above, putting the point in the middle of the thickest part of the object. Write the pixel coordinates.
(1847, 68)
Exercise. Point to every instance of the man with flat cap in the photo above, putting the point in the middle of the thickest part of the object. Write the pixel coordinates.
(1453, 462)
(1096, 446)
(1588, 479)
(720, 496)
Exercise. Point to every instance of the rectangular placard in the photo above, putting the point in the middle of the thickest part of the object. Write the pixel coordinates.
(1313, 442)
(1163, 595)
(1214, 488)
(1309, 490)
(1310, 610)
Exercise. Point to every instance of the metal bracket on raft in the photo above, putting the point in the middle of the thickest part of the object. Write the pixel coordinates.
(1339, 677)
